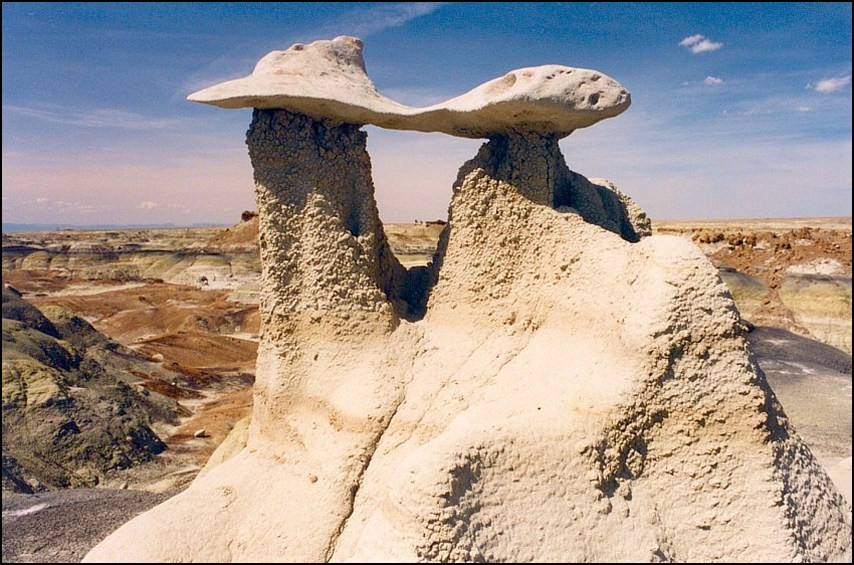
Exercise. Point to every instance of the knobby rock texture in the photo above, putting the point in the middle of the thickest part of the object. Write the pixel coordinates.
(556, 386)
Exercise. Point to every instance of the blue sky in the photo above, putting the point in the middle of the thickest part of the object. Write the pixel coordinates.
(739, 110)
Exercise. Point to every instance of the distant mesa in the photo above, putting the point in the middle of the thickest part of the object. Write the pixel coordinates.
(327, 79)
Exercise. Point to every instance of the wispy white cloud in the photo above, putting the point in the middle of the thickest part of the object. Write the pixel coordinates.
(87, 183)
(220, 69)
(706, 45)
(772, 106)
(713, 81)
(87, 208)
(366, 22)
(699, 43)
(828, 85)
(50, 206)
(95, 118)
(691, 40)
(360, 22)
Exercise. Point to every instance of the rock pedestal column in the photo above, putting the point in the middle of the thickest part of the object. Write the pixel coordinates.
(327, 270)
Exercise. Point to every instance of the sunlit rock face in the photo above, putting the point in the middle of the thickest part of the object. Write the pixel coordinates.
(555, 386)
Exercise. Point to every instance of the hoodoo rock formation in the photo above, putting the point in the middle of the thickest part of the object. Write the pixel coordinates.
(555, 386)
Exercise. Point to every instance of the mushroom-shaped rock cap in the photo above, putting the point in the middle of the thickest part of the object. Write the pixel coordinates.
(327, 79)
(324, 79)
(546, 99)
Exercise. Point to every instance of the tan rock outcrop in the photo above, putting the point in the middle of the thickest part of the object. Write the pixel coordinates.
(554, 387)
(821, 304)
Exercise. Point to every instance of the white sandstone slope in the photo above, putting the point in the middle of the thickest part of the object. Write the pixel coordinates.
(597, 404)
(569, 390)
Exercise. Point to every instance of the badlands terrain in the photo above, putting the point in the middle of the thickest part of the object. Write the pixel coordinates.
(174, 316)
(556, 384)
